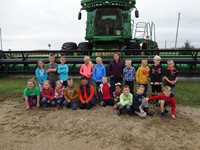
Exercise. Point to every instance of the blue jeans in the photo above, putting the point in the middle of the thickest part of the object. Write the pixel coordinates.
(73, 105)
(126, 107)
(45, 104)
(59, 100)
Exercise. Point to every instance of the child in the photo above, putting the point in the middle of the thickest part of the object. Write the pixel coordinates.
(142, 76)
(70, 95)
(116, 95)
(31, 93)
(129, 75)
(140, 106)
(167, 98)
(126, 100)
(59, 93)
(115, 70)
(63, 70)
(105, 93)
(40, 73)
(171, 75)
(87, 68)
(51, 69)
(47, 94)
(156, 75)
(98, 73)
(86, 94)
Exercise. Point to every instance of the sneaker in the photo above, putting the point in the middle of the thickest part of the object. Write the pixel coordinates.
(119, 112)
(162, 115)
(166, 111)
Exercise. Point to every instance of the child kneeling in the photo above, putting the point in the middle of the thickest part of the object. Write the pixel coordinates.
(86, 94)
(126, 101)
(140, 104)
(105, 93)
(166, 98)
(70, 95)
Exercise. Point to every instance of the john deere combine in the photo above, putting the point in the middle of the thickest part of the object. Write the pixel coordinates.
(110, 26)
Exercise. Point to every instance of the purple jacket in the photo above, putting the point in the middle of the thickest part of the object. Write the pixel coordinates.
(115, 70)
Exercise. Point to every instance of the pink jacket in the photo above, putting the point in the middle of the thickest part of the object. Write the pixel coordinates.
(86, 70)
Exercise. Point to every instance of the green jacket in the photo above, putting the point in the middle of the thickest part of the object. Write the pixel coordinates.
(126, 100)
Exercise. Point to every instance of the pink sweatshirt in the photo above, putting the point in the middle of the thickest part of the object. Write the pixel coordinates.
(86, 70)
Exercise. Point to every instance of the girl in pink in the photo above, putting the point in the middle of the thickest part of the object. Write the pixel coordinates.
(59, 93)
(87, 68)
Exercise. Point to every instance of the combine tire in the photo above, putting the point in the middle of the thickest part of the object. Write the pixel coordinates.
(69, 46)
(133, 46)
(154, 47)
(86, 47)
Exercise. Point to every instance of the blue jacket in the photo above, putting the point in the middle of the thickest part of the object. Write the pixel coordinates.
(63, 72)
(137, 101)
(41, 75)
(99, 72)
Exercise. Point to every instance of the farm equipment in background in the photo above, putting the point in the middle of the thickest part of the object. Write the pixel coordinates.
(109, 26)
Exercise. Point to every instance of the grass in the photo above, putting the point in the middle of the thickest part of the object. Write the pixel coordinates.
(186, 92)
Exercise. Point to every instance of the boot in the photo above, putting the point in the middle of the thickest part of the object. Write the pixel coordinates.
(146, 109)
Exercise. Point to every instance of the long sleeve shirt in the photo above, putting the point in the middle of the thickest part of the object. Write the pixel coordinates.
(63, 71)
(137, 102)
(129, 74)
(126, 100)
(142, 75)
(41, 75)
(86, 70)
(168, 100)
(48, 93)
(115, 69)
(85, 97)
(99, 72)
(71, 93)
(59, 92)
(156, 73)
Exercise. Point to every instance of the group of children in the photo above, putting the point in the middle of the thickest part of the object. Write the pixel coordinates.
(56, 88)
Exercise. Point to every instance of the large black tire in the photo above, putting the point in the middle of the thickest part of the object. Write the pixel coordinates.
(133, 46)
(69, 46)
(86, 47)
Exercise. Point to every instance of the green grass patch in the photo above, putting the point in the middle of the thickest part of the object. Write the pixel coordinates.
(186, 92)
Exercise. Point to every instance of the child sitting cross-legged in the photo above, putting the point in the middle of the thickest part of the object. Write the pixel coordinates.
(70, 95)
(126, 101)
(116, 95)
(105, 93)
(166, 98)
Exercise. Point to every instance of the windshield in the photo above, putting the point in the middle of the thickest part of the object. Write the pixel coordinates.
(107, 21)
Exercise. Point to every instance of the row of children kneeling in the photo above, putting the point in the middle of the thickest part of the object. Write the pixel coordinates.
(84, 97)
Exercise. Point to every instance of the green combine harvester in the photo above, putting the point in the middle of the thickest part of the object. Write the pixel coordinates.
(109, 29)
(109, 26)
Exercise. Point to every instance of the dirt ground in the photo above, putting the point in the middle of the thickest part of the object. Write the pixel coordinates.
(96, 129)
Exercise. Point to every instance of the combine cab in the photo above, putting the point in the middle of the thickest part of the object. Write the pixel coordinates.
(110, 26)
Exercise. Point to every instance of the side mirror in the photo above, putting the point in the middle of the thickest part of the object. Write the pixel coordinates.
(136, 13)
(79, 16)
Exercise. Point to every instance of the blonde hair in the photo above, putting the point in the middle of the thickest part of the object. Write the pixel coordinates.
(59, 81)
(88, 57)
(99, 58)
(156, 57)
(167, 88)
(140, 87)
(32, 80)
(62, 57)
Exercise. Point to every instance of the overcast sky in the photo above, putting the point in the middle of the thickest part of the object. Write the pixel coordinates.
(33, 24)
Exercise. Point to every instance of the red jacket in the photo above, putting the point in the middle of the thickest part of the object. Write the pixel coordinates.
(168, 100)
(48, 93)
